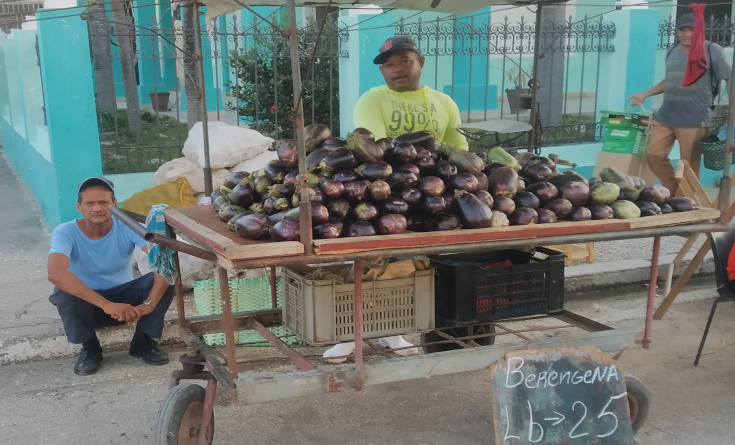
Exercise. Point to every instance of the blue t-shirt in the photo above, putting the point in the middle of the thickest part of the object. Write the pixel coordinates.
(100, 264)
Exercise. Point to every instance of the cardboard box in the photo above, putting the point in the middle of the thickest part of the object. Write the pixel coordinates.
(624, 120)
(624, 140)
(627, 163)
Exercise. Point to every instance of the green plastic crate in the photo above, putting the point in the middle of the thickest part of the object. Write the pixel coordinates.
(246, 294)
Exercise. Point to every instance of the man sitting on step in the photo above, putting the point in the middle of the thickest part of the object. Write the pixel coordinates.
(90, 263)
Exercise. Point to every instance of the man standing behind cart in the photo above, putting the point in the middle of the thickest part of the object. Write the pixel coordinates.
(400, 107)
(403, 105)
(685, 113)
(90, 263)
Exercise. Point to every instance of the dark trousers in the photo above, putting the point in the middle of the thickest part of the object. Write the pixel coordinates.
(81, 318)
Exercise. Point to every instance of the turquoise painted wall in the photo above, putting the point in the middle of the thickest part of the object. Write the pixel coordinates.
(51, 159)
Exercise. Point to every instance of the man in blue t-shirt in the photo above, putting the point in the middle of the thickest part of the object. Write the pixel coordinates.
(685, 114)
(90, 263)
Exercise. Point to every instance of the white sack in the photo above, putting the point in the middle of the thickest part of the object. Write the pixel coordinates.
(256, 163)
(228, 144)
(189, 169)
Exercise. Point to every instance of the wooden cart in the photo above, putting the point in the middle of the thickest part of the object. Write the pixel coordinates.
(210, 239)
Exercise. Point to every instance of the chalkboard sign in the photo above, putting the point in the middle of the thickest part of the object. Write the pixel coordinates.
(559, 396)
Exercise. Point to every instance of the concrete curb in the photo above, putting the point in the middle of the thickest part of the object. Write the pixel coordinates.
(579, 278)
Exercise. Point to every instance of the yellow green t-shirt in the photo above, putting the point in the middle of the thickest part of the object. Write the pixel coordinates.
(388, 113)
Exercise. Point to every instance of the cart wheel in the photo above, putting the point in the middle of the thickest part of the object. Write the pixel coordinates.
(180, 415)
(430, 337)
(639, 400)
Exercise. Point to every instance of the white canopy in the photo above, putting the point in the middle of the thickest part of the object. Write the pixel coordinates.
(219, 7)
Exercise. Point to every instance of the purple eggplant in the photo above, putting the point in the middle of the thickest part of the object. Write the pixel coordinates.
(522, 184)
(490, 168)
(665, 209)
(426, 165)
(288, 153)
(485, 197)
(500, 219)
(547, 216)
(345, 176)
(545, 191)
(417, 223)
(421, 152)
(315, 195)
(339, 159)
(401, 180)
(527, 199)
(275, 172)
(466, 162)
(339, 224)
(601, 211)
(483, 182)
(315, 158)
(315, 135)
(418, 139)
(290, 177)
(385, 144)
(504, 204)
(474, 214)
(443, 223)
(233, 221)
(319, 214)
(339, 208)
(275, 204)
(408, 167)
(395, 206)
(575, 192)
(242, 195)
(253, 226)
(361, 132)
(403, 152)
(326, 231)
(360, 228)
(375, 170)
(222, 201)
(463, 181)
(286, 230)
(333, 143)
(580, 214)
(538, 172)
(379, 191)
(431, 186)
(562, 207)
(286, 190)
(452, 201)
(356, 191)
(681, 204)
(365, 211)
(523, 216)
(504, 182)
(366, 151)
(230, 183)
(445, 170)
(412, 197)
(433, 206)
(333, 189)
(392, 224)
(227, 212)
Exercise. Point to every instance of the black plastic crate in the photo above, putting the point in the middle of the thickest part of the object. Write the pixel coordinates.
(465, 292)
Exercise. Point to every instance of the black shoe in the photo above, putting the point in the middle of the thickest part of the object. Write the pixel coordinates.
(90, 358)
(144, 347)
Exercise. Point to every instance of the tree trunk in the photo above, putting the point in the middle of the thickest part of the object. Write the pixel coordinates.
(551, 66)
(100, 44)
(125, 35)
(191, 73)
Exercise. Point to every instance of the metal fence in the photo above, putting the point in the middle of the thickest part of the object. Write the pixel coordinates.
(247, 76)
(502, 52)
(719, 31)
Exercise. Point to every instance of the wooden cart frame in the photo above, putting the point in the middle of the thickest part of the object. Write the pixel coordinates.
(228, 253)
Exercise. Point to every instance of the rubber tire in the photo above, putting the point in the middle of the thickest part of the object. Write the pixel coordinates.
(171, 412)
(456, 332)
(639, 400)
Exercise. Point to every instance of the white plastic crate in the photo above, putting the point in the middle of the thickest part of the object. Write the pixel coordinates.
(321, 312)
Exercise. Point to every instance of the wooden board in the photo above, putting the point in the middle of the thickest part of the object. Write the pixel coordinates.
(554, 396)
(418, 239)
(201, 225)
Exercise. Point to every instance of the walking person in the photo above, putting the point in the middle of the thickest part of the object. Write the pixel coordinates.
(686, 112)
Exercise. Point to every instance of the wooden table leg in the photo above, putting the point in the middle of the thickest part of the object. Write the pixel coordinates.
(651, 292)
(229, 323)
(682, 281)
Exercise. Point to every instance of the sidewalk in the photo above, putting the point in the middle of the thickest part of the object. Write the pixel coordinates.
(30, 328)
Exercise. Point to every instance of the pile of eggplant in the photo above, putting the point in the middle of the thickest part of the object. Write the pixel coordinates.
(361, 187)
